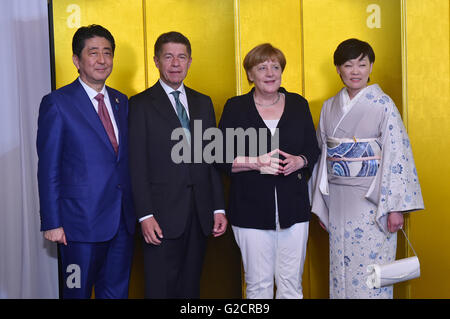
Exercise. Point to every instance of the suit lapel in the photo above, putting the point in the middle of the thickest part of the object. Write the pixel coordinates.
(194, 108)
(195, 113)
(287, 107)
(252, 113)
(162, 105)
(115, 104)
(84, 105)
(118, 115)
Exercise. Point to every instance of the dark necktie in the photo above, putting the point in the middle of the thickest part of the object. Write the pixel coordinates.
(106, 120)
(182, 115)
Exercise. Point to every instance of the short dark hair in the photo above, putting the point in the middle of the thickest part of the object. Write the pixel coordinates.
(171, 37)
(351, 49)
(262, 53)
(87, 32)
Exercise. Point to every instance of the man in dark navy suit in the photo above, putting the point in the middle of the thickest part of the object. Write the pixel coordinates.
(178, 203)
(83, 173)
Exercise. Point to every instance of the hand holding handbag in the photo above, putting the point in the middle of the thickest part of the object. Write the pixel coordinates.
(394, 272)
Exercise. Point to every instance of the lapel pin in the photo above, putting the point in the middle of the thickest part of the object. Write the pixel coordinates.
(116, 106)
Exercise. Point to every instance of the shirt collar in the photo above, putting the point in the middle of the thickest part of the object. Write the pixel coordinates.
(90, 91)
(168, 89)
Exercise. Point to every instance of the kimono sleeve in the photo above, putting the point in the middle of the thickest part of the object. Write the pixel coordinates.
(396, 186)
(318, 183)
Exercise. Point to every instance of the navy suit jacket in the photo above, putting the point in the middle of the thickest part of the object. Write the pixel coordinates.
(83, 185)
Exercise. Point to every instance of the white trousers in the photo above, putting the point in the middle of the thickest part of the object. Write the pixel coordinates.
(269, 254)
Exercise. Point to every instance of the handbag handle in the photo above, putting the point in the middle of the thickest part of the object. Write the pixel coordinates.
(406, 239)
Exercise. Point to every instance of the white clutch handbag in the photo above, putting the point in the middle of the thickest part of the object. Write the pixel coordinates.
(392, 273)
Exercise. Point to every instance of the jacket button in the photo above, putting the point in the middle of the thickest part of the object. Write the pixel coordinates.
(299, 175)
(119, 186)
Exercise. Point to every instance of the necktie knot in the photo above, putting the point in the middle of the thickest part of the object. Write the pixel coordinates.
(176, 95)
(99, 97)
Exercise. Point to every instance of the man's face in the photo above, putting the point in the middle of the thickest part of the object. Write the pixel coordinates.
(96, 61)
(173, 63)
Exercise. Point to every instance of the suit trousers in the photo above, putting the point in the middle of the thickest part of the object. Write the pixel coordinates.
(269, 254)
(173, 268)
(106, 266)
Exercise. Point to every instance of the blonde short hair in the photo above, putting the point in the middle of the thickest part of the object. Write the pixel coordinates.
(262, 53)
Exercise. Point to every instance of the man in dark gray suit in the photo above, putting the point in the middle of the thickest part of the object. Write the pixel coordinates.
(178, 203)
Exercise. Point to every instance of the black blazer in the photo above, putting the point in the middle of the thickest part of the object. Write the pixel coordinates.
(161, 186)
(252, 199)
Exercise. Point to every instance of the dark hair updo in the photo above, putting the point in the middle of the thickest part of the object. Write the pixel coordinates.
(351, 49)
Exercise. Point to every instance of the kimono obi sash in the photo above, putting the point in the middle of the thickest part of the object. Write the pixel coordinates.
(353, 157)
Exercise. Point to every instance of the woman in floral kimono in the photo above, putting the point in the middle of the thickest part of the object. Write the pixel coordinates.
(365, 179)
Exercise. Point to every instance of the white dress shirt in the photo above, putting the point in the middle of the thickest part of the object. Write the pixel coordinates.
(182, 96)
(92, 94)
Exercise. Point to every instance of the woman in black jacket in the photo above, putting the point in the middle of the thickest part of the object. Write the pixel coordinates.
(270, 149)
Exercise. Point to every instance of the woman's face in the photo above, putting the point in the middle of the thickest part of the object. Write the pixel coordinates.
(355, 74)
(266, 76)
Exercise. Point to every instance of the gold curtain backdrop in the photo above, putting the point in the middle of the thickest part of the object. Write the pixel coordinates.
(411, 42)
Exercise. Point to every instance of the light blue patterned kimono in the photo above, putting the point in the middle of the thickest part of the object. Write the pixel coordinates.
(366, 170)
